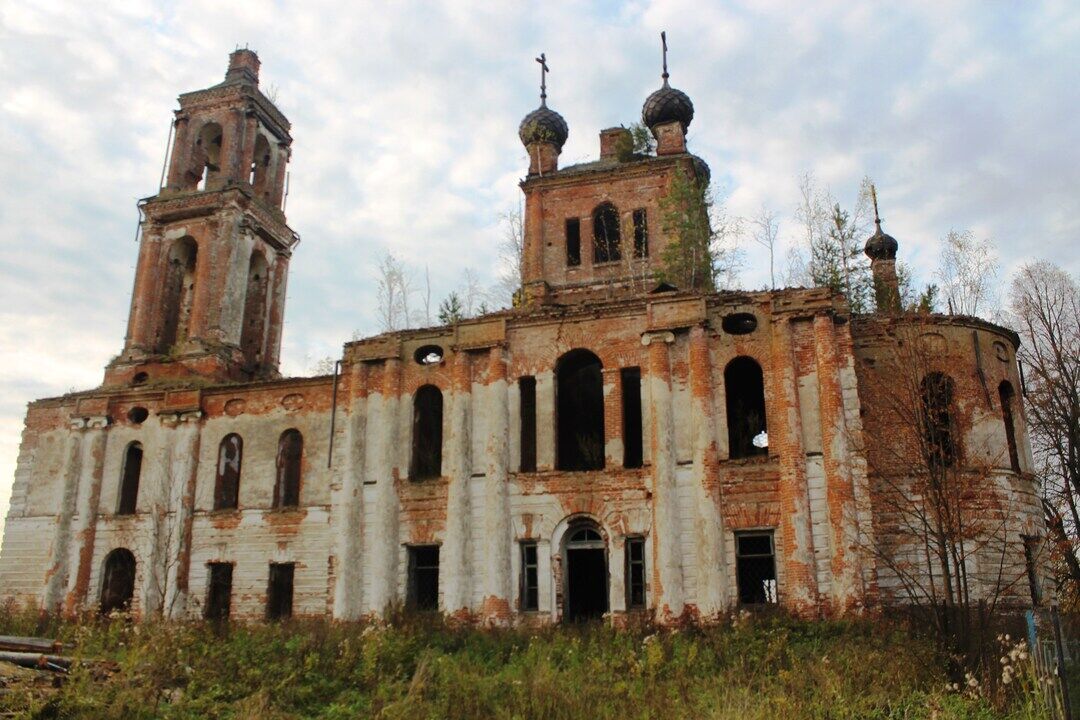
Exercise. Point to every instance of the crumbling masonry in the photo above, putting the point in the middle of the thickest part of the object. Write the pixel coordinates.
(610, 445)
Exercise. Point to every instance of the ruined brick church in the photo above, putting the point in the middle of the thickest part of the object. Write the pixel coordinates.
(612, 445)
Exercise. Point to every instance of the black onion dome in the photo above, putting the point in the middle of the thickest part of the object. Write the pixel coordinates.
(666, 105)
(880, 245)
(544, 125)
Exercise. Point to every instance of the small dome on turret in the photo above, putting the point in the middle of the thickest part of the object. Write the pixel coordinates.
(880, 245)
(544, 125)
(667, 105)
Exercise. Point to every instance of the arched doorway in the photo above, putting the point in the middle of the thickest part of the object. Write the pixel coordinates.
(585, 585)
(118, 582)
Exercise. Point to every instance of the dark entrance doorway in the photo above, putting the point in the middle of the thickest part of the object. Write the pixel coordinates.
(118, 584)
(586, 575)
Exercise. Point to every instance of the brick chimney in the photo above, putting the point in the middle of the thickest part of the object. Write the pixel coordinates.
(243, 67)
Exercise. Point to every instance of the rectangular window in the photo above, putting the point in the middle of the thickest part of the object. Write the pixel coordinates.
(755, 561)
(1031, 554)
(423, 591)
(635, 573)
(631, 416)
(641, 234)
(573, 242)
(530, 577)
(527, 388)
(279, 594)
(219, 592)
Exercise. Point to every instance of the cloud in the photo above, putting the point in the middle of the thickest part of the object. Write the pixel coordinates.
(405, 117)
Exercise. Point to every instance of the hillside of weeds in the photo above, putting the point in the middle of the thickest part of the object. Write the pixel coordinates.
(419, 667)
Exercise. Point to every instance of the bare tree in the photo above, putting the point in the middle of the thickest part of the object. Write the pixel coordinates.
(942, 531)
(1044, 303)
(395, 286)
(765, 227)
(511, 256)
(968, 274)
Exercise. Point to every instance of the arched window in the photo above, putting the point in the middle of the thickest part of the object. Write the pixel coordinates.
(206, 156)
(427, 433)
(178, 294)
(744, 386)
(129, 479)
(937, 398)
(252, 332)
(580, 412)
(227, 487)
(606, 245)
(290, 453)
(1008, 397)
(118, 580)
(260, 168)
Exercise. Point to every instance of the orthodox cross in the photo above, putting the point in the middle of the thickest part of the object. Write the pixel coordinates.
(663, 42)
(543, 78)
(873, 195)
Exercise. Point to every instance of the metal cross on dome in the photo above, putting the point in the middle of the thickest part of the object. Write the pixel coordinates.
(663, 43)
(543, 78)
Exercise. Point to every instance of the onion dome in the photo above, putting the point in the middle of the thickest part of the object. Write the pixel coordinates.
(667, 105)
(880, 245)
(544, 125)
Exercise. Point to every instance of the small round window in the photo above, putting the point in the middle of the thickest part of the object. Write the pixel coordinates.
(140, 378)
(428, 355)
(138, 415)
(739, 323)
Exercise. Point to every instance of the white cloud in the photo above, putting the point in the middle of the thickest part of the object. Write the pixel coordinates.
(405, 118)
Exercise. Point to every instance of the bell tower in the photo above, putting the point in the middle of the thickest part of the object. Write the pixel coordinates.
(214, 246)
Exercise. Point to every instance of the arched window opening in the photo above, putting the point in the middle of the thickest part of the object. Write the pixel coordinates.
(179, 293)
(260, 168)
(254, 322)
(937, 399)
(129, 479)
(586, 574)
(606, 244)
(227, 487)
(1008, 396)
(744, 385)
(118, 581)
(289, 456)
(206, 157)
(427, 434)
(580, 411)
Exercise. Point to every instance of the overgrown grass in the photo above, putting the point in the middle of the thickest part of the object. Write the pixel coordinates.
(772, 667)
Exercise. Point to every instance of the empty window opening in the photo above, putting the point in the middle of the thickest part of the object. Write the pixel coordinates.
(631, 417)
(260, 168)
(289, 457)
(606, 242)
(129, 479)
(279, 591)
(137, 415)
(755, 560)
(586, 574)
(527, 389)
(205, 157)
(252, 333)
(227, 486)
(580, 412)
(573, 242)
(530, 577)
(1008, 397)
(744, 386)
(219, 591)
(140, 378)
(423, 591)
(428, 355)
(118, 581)
(641, 234)
(178, 293)
(739, 323)
(427, 434)
(937, 398)
(1032, 547)
(635, 573)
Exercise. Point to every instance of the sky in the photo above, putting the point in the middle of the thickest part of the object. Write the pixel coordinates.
(405, 119)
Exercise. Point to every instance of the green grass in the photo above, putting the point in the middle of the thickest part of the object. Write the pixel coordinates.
(769, 667)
